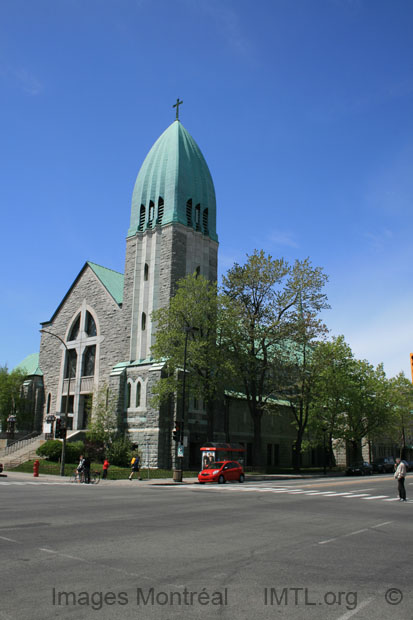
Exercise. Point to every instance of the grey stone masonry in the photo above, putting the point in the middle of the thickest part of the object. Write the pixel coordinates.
(155, 260)
(87, 294)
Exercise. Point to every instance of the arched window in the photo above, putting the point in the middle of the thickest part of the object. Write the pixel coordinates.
(74, 330)
(128, 395)
(138, 394)
(141, 218)
(189, 212)
(143, 322)
(205, 221)
(160, 210)
(151, 213)
(198, 217)
(90, 325)
(49, 398)
(70, 366)
(88, 365)
(146, 272)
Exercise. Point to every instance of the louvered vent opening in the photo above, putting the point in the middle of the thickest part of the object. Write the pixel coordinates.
(205, 221)
(160, 210)
(189, 212)
(141, 218)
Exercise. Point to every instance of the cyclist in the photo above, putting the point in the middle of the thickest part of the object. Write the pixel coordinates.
(80, 468)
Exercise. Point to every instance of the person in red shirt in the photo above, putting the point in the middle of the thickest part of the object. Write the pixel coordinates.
(105, 469)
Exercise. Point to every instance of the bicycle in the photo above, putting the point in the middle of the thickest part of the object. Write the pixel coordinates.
(79, 477)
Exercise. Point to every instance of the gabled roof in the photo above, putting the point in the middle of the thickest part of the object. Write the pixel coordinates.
(111, 280)
(30, 365)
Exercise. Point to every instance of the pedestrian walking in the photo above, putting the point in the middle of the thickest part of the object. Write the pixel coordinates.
(105, 469)
(135, 467)
(400, 475)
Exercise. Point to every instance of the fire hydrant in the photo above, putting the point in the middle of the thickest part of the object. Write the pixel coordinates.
(36, 469)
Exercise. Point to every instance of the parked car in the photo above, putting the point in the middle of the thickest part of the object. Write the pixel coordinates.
(361, 468)
(221, 472)
(384, 465)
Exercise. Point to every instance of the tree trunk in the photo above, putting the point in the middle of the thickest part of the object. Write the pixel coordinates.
(210, 420)
(297, 451)
(257, 459)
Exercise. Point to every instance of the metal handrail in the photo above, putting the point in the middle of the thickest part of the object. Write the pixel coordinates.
(20, 443)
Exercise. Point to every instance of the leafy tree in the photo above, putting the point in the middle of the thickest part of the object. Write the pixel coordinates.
(103, 425)
(333, 364)
(368, 411)
(120, 452)
(401, 428)
(191, 320)
(269, 304)
(11, 400)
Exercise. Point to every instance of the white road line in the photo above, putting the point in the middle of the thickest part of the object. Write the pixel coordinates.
(356, 532)
(328, 540)
(358, 495)
(9, 539)
(47, 550)
(324, 542)
(359, 607)
(392, 499)
(376, 497)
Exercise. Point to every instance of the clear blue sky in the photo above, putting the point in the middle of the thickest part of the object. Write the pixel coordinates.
(303, 110)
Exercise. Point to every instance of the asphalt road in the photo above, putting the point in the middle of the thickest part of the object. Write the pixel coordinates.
(326, 549)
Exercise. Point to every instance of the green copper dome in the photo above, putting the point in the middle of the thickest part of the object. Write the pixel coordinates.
(174, 185)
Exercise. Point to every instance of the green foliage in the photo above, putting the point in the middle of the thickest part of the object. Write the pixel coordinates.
(352, 399)
(271, 310)
(103, 426)
(11, 401)
(52, 450)
(192, 323)
(400, 429)
(120, 452)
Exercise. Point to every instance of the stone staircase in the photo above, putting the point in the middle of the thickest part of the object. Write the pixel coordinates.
(21, 451)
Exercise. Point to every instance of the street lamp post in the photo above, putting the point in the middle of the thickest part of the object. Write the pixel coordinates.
(63, 456)
(178, 470)
(11, 423)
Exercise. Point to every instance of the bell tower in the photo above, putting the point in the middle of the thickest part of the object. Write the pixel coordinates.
(172, 232)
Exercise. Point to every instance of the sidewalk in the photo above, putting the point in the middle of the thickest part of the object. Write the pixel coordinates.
(20, 477)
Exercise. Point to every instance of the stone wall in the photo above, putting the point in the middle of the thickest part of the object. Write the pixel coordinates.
(87, 293)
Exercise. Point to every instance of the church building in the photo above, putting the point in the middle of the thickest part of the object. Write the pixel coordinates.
(101, 333)
(104, 321)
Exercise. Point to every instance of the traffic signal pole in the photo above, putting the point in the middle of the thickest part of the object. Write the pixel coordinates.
(63, 431)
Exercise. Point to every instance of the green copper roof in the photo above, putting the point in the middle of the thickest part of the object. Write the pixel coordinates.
(175, 171)
(111, 280)
(30, 365)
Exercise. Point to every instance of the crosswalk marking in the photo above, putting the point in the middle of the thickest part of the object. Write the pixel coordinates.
(233, 488)
(290, 491)
(376, 497)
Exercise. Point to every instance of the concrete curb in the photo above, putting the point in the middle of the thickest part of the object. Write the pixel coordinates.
(11, 475)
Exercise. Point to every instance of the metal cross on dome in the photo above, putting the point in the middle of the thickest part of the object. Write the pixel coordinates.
(176, 105)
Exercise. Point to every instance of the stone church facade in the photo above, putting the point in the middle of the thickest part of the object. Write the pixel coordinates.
(101, 333)
(104, 320)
